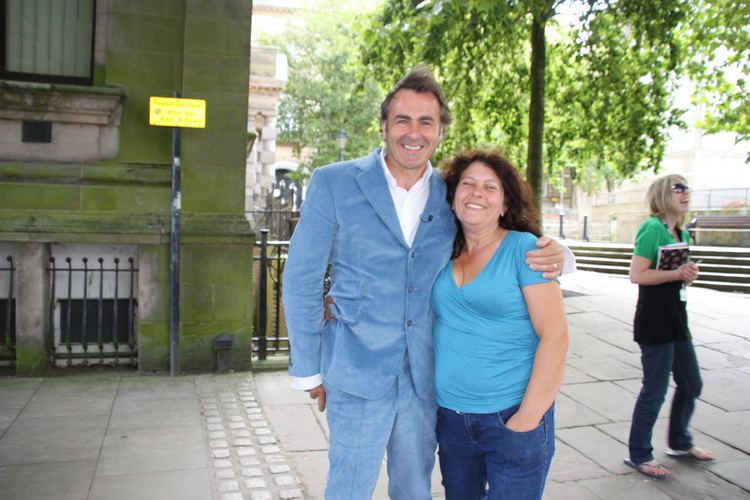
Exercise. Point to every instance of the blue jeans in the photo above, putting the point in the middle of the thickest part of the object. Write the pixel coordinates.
(477, 453)
(361, 431)
(658, 361)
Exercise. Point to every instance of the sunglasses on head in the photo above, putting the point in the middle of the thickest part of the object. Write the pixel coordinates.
(680, 188)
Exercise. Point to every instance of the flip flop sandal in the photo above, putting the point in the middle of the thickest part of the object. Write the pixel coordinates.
(649, 468)
(695, 453)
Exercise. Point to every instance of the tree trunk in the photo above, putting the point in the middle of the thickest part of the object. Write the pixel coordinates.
(536, 108)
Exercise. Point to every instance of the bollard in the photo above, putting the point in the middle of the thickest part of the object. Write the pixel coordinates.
(585, 228)
(223, 347)
(562, 220)
(263, 295)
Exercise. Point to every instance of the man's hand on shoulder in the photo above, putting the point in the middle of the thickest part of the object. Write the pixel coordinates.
(320, 394)
(549, 258)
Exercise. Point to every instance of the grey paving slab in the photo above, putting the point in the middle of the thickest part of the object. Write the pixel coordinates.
(733, 325)
(15, 398)
(739, 348)
(594, 321)
(605, 398)
(694, 480)
(169, 485)
(727, 389)
(567, 491)
(571, 308)
(149, 388)
(89, 382)
(732, 428)
(130, 413)
(7, 417)
(576, 376)
(58, 481)
(570, 413)
(275, 389)
(710, 358)
(153, 449)
(705, 334)
(52, 439)
(312, 467)
(570, 465)
(596, 446)
(620, 338)
(588, 356)
(736, 472)
(630, 486)
(69, 403)
(297, 427)
(20, 383)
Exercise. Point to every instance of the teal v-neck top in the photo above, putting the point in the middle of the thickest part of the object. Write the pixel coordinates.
(484, 340)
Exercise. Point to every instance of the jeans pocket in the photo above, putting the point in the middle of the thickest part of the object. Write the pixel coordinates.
(505, 415)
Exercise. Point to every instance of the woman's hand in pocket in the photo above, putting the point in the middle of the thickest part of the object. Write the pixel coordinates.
(522, 423)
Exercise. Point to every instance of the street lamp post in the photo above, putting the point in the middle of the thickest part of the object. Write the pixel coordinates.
(260, 122)
(341, 142)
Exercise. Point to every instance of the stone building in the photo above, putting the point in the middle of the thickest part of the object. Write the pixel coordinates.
(86, 189)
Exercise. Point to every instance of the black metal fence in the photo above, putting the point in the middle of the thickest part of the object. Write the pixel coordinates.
(279, 223)
(87, 325)
(271, 333)
(8, 314)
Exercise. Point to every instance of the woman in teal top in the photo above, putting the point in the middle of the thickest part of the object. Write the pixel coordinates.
(500, 339)
(661, 329)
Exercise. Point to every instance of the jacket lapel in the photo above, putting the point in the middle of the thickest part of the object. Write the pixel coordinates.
(433, 208)
(375, 188)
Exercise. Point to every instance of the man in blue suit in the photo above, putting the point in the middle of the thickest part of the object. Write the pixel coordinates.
(383, 224)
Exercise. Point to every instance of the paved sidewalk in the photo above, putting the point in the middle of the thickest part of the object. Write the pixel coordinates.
(113, 436)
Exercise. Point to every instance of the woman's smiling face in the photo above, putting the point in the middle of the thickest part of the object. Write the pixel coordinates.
(479, 199)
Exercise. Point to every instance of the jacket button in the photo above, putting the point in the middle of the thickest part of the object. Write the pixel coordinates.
(409, 323)
(411, 289)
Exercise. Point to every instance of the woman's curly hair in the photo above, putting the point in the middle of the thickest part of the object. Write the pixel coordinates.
(521, 213)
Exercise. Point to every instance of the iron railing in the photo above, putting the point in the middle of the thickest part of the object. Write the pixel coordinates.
(271, 331)
(720, 199)
(80, 322)
(8, 316)
(279, 223)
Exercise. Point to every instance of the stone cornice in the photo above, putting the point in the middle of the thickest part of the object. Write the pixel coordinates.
(60, 103)
(47, 225)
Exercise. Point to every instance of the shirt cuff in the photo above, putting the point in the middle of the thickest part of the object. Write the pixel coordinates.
(569, 260)
(307, 383)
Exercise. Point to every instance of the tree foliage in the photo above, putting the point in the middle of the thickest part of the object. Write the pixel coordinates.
(328, 89)
(718, 46)
(606, 85)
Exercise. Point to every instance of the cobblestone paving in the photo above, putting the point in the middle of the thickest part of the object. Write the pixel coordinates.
(245, 459)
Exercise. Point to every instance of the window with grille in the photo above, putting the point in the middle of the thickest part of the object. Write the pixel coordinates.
(47, 40)
(103, 323)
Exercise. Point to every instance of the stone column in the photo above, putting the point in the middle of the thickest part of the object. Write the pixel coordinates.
(32, 308)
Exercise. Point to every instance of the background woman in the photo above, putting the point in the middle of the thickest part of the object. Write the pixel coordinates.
(500, 339)
(661, 329)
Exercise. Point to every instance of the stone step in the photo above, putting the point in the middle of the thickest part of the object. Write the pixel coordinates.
(722, 268)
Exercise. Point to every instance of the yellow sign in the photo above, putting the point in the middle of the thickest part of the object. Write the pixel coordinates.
(177, 112)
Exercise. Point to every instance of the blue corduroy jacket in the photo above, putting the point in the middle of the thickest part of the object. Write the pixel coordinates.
(381, 286)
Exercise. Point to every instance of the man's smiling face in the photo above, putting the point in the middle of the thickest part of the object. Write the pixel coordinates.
(412, 132)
